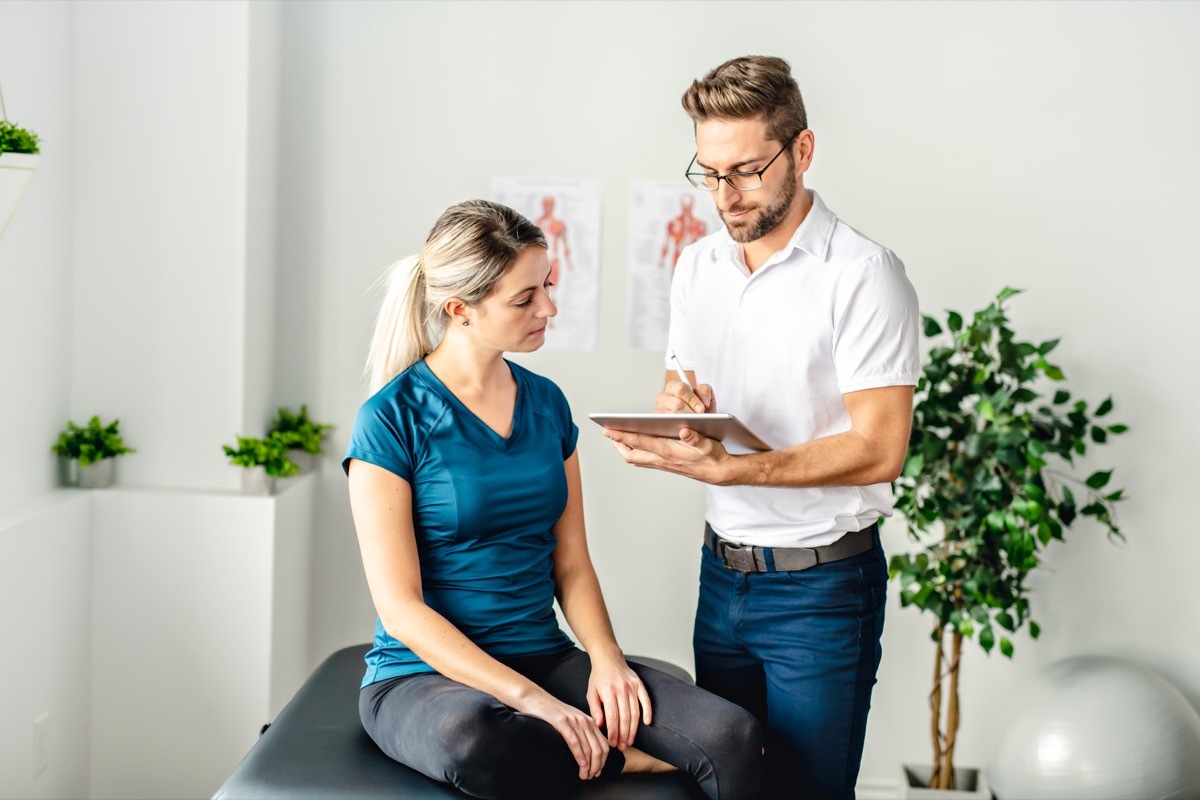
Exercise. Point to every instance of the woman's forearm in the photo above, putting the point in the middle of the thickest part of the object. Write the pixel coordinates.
(441, 645)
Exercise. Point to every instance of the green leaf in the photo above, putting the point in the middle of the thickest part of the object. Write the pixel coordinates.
(1035, 630)
(1099, 435)
(954, 321)
(913, 465)
(1104, 407)
(931, 326)
(1006, 646)
(1116, 429)
(1007, 292)
(1061, 396)
(987, 639)
(1053, 373)
(1097, 480)
(1005, 620)
(1046, 347)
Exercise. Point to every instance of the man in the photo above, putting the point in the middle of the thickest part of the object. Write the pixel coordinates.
(807, 331)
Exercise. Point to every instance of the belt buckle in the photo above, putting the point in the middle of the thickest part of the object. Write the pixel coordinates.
(738, 557)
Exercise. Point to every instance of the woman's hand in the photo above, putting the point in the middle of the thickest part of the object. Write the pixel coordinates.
(581, 733)
(617, 699)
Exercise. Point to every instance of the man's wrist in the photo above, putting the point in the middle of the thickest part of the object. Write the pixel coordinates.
(743, 470)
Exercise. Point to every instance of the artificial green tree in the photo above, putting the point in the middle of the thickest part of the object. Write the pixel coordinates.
(986, 487)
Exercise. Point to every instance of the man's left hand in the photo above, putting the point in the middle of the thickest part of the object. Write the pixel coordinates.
(692, 455)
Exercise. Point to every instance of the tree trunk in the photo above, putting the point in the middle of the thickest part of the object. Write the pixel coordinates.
(946, 771)
(935, 707)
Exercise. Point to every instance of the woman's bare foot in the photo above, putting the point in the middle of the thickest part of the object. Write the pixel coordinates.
(640, 761)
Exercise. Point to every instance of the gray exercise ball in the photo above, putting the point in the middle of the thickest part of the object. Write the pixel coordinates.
(1093, 728)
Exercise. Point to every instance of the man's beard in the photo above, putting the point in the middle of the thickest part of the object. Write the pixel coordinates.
(769, 217)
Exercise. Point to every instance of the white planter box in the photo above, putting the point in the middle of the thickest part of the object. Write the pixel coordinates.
(914, 785)
(16, 172)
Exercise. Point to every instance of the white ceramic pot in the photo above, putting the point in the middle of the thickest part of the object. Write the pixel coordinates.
(971, 785)
(255, 480)
(16, 173)
(303, 459)
(98, 474)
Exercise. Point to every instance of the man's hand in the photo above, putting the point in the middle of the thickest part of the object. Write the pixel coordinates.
(692, 455)
(678, 398)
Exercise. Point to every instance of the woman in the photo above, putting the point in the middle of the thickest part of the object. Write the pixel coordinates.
(465, 488)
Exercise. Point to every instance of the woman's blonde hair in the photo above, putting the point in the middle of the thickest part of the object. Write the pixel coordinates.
(746, 88)
(473, 244)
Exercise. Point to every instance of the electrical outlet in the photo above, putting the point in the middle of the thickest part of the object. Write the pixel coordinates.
(41, 742)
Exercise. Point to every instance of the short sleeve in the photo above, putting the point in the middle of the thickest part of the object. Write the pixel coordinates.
(876, 326)
(569, 430)
(379, 437)
(678, 339)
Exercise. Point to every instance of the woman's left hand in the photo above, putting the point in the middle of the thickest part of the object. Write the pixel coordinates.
(617, 698)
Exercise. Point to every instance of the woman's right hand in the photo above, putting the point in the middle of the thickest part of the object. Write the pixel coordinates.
(581, 733)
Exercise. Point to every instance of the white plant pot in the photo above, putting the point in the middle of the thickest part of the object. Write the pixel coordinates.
(255, 480)
(16, 173)
(303, 460)
(971, 785)
(98, 474)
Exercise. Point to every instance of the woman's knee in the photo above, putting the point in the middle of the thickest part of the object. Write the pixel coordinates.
(472, 736)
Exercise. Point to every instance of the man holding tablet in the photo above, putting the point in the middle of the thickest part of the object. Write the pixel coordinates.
(806, 331)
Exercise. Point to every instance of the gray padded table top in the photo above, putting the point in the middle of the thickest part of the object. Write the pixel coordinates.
(316, 749)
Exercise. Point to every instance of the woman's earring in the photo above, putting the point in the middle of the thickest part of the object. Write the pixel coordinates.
(466, 322)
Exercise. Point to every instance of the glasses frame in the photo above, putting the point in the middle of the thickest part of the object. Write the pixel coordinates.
(705, 177)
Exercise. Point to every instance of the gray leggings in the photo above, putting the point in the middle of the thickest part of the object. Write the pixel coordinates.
(452, 733)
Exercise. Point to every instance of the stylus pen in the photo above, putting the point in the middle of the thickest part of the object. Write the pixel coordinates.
(679, 371)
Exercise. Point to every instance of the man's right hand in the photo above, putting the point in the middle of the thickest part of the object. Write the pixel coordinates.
(588, 743)
(677, 398)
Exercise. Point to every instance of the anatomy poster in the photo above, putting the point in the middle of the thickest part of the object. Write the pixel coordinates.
(568, 212)
(664, 218)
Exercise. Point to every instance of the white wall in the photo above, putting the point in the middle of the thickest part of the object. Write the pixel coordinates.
(37, 59)
(160, 284)
(45, 594)
(1045, 146)
(44, 542)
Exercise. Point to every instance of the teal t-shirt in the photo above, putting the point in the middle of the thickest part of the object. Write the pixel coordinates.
(483, 509)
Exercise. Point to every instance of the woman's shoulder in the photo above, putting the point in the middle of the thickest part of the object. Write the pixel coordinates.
(537, 384)
(407, 396)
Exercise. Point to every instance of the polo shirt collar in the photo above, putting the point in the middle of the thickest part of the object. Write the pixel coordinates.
(813, 235)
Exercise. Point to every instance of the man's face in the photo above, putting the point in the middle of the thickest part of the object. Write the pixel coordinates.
(724, 146)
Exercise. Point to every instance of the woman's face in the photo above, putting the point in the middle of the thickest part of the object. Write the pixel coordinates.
(515, 315)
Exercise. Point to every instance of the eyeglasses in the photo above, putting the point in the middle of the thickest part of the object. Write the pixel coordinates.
(741, 181)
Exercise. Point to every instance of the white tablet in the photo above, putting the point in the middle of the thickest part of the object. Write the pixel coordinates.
(723, 427)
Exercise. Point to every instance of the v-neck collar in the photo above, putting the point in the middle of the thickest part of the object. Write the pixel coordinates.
(487, 431)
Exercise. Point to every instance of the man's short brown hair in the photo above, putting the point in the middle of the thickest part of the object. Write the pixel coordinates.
(746, 88)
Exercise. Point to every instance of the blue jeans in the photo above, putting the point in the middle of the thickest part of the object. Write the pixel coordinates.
(799, 650)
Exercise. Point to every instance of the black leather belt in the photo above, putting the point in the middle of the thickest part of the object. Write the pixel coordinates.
(751, 558)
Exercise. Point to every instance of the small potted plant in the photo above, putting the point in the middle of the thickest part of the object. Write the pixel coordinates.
(986, 488)
(303, 436)
(89, 453)
(263, 460)
(19, 161)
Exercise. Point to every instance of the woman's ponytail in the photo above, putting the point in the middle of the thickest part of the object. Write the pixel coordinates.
(401, 329)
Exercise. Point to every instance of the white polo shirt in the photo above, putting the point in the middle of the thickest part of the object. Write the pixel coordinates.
(830, 313)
